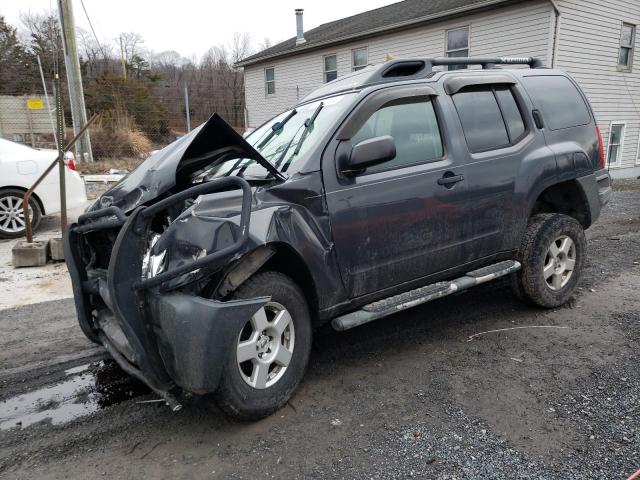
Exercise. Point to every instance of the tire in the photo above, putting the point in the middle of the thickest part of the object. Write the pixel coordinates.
(549, 275)
(235, 395)
(11, 221)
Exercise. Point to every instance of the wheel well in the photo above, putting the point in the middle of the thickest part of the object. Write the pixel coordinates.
(287, 261)
(566, 198)
(22, 189)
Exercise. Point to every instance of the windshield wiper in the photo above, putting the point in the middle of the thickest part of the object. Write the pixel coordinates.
(275, 128)
(308, 127)
(308, 123)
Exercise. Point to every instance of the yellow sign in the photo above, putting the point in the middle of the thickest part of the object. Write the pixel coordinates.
(35, 104)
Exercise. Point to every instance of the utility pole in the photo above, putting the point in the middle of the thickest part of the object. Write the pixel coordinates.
(186, 107)
(123, 60)
(74, 78)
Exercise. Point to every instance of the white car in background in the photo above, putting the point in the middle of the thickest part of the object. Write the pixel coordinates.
(20, 167)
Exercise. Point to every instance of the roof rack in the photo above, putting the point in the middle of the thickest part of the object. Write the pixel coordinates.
(418, 68)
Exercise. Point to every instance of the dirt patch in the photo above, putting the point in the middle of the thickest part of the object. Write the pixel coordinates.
(404, 397)
(621, 185)
(23, 286)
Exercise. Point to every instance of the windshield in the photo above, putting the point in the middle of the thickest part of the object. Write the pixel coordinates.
(284, 140)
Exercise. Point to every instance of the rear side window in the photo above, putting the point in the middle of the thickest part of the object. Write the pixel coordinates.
(559, 100)
(511, 113)
(413, 125)
(490, 117)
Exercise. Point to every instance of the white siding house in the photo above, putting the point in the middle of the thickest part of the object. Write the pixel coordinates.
(584, 37)
(588, 47)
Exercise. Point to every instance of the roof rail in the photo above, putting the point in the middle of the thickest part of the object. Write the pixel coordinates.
(417, 68)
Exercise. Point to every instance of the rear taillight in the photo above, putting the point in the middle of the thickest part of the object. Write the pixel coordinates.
(602, 160)
(70, 161)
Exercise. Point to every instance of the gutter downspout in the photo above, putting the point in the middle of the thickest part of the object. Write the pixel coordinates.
(556, 34)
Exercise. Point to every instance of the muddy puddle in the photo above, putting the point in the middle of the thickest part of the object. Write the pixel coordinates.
(85, 389)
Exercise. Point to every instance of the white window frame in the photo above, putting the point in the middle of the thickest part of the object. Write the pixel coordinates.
(632, 47)
(267, 82)
(355, 67)
(324, 66)
(638, 151)
(447, 50)
(620, 145)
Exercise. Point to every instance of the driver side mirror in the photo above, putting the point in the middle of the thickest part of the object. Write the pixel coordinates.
(367, 154)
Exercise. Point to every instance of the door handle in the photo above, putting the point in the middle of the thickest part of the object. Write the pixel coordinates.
(449, 179)
(537, 118)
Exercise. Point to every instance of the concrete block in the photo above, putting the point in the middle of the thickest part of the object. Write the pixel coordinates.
(25, 254)
(55, 249)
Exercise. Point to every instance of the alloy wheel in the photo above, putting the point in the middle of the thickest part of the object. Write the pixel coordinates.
(12, 214)
(559, 262)
(265, 346)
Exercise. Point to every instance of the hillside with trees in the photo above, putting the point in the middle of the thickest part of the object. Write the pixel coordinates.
(139, 93)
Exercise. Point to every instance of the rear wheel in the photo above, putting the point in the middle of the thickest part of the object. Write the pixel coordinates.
(12, 221)
(271, 351)
(552, 256)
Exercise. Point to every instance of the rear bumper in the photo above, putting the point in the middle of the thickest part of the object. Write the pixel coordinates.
(603, 179)
(597, 190)
(170, 340)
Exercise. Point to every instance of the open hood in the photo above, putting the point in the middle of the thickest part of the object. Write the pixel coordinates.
(170, 166)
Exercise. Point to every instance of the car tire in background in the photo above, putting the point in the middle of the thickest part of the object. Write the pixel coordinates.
(12, 223)
(270, 356)
(552, 257)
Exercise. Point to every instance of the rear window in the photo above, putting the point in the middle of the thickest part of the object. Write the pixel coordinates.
(559, 100)
(481, 120)
(511, 113)
(490, 117)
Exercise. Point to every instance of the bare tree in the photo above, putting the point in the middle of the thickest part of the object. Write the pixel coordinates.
(265, 43)
(44, 39)
(239, 47)
(131, 45)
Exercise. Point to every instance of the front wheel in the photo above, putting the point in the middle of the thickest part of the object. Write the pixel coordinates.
(552, 257)
(271, 351)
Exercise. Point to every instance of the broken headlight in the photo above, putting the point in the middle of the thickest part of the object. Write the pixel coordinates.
(152, 264)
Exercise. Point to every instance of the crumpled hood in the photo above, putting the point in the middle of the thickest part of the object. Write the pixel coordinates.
(166, 168)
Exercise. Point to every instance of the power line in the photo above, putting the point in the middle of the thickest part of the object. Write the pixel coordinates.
(92, 29)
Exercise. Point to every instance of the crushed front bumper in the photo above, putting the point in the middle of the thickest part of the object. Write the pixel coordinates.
(171, 340)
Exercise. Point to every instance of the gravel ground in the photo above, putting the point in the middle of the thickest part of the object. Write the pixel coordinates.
(409, 396)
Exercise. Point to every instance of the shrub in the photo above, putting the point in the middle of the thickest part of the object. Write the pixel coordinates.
(115, 135)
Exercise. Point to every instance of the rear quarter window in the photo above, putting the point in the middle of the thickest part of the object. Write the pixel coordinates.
(559, 100)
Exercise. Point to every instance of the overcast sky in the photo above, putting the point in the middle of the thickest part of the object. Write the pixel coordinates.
(192, 26)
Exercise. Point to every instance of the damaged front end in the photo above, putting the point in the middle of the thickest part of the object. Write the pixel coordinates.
(167, 338)
(132, 270)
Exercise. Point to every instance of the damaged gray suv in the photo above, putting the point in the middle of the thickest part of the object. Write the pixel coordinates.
(206, 270)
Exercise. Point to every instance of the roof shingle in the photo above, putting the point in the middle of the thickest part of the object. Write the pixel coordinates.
(372, 21)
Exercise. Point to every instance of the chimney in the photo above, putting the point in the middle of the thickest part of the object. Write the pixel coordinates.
(299, 28)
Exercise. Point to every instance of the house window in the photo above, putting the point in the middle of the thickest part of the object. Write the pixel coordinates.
(616, 137)
(458, 45)
(359, 58)
(627, 40)
(270, 80)
(330, 68)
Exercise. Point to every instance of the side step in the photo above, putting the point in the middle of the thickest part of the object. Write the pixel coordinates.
(412, 298)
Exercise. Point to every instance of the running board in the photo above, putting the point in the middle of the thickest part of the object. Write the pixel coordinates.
(412, 298)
